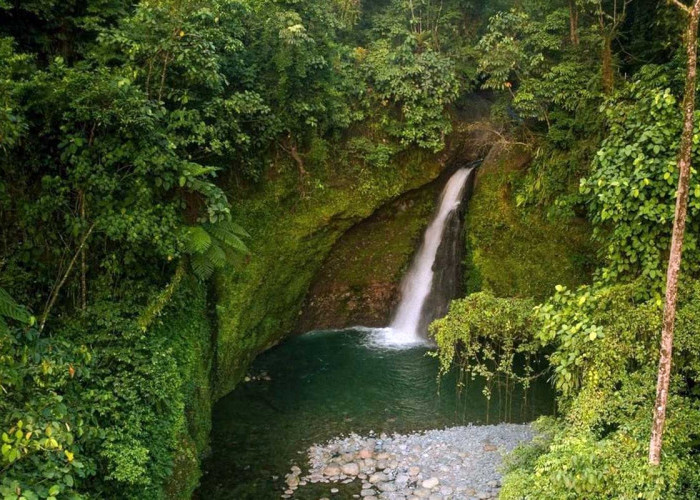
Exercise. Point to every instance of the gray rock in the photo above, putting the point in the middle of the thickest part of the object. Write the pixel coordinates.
(351, 469)
(388, 486)
(446, 491)
(367, 493)
(378, 477)
(421, 493)
(402, 480)
(430, 483)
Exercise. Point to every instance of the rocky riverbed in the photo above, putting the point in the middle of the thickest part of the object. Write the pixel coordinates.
(459, 463)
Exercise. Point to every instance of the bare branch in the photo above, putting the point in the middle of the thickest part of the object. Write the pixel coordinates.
(57, 289)
(681, 6)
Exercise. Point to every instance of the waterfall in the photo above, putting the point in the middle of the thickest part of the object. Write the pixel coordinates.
(422, 297)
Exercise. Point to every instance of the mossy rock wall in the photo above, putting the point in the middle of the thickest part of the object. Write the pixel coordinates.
(515, 251)
(358, 283)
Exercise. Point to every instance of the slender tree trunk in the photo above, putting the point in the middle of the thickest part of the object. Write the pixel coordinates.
(674, 260)
(57, 289)
(83, 260)
(573, 23)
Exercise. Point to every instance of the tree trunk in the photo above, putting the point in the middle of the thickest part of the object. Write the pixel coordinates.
(674, 260)
(573, 23)
(608, 75)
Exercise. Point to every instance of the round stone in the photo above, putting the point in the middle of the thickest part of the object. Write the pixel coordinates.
(430, 483)
(351, 469)
(331, 470)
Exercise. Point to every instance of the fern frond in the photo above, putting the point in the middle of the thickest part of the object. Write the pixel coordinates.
(196, 240)
(202, 267)
(234, 228)
(216, 256)
(228, 238)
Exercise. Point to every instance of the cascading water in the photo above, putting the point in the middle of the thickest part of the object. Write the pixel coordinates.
(416, 308)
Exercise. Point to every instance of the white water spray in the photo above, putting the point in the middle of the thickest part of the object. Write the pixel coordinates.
(418, 282)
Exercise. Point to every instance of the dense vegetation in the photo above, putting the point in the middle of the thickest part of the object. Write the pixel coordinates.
(595, 90)
(130, 133)
(145, 146)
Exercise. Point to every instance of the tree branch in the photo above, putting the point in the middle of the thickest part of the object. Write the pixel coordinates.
(685, 8)
(57, 289)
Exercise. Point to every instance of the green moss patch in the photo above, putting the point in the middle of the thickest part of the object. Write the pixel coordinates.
(514, 252)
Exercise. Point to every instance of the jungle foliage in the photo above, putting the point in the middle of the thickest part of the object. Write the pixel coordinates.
(598, 100)
(129, 131)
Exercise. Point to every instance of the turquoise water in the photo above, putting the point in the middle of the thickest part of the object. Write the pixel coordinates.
(325, 384)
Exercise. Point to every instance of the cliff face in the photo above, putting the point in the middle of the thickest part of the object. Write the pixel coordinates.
(359, 280)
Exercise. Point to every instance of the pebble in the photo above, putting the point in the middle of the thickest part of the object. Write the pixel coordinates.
(448, 464)
(431, 483)
(378, 477)
(351, 469)
(331, 470)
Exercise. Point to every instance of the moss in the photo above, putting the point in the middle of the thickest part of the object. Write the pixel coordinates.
(359, 279)
(514, 252)
(187, 326)
(260, 300)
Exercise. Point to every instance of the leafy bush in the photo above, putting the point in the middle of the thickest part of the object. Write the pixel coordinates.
(487, 337)
(601, 338)
(632, 186)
